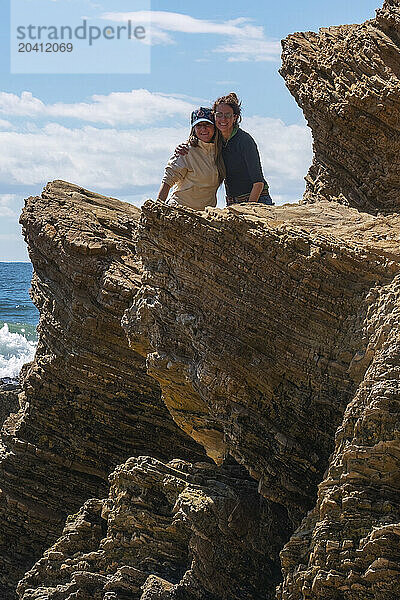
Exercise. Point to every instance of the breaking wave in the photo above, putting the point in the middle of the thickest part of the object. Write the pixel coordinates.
(16, 348)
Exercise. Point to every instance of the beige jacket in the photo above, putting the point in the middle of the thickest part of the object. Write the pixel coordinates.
(194, 177)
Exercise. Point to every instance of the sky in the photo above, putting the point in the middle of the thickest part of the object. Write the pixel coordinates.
(114, 132)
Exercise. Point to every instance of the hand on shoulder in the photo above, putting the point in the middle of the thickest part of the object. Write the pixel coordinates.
(181, 150)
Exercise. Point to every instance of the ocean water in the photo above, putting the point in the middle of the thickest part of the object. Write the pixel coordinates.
(18, 319)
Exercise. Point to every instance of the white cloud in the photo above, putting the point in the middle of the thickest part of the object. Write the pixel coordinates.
(178, 22)
(256, 49)
(134, 159)
(138, 107)
(105, 158)
(286, 148)
(246, 41)
(7, 203)
(5, 124)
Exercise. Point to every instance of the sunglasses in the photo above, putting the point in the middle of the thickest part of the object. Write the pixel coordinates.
(219, 115)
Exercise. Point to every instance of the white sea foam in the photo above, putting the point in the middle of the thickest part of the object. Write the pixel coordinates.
(15, 351)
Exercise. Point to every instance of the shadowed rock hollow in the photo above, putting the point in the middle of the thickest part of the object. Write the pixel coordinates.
(241, 364)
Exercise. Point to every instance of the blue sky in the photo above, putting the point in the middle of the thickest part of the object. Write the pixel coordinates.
(114, 133)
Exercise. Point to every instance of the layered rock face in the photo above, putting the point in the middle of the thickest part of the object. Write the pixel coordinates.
(8, 399)
(167, 531)
(252, 320)
(87, 402)
(349, 545)
(265, 379)
(347, 81)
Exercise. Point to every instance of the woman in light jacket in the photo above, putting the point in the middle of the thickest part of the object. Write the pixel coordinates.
(196, 176)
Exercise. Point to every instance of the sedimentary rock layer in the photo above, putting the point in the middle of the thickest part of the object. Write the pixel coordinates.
(348, 548)
(8, 399)
(87, 402)
(167, 531)
(261, 325)
(252, 322)
(346, 79)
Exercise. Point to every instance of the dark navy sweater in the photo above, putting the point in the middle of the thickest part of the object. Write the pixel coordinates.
(242, 163)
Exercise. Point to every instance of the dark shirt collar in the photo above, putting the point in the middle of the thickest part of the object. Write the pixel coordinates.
(234, 132)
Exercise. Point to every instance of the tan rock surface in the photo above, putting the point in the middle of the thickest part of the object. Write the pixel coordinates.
(349, 546)
(253, 318)
(261, 325)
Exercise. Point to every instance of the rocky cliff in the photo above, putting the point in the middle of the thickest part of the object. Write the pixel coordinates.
(87, 403)
(349, 545)
(347, 81)
(286, 317)
(215, 396)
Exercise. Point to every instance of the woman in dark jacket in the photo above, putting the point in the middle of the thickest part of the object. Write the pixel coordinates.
(244, 180)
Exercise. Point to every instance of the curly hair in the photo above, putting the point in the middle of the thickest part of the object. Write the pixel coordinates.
(233, 101)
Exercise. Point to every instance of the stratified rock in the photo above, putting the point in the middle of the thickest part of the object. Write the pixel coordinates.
(261, 325)
(348, 548)
(347, 81)
(9, 391)
(87, 402)
(167, 532)
(252, 322)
